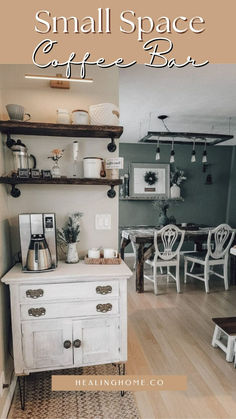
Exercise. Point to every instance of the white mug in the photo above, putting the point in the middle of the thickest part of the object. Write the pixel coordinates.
(109, 253)
(94, 253)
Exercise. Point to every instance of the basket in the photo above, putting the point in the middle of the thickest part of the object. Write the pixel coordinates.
(104, 114)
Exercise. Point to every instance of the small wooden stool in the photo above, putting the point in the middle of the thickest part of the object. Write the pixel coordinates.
(225, 326)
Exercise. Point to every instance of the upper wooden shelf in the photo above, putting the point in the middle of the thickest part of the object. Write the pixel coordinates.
(60, 130)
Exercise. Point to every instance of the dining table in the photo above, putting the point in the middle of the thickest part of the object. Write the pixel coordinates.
(143, 239)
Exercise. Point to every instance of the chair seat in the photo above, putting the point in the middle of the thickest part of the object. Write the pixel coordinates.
(161, 262)
(201, 256)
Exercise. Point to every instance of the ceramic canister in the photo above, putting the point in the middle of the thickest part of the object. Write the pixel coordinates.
(80, 117)
(92, 167)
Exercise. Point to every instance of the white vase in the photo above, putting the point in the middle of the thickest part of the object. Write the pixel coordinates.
(72, 254)
(175, 191)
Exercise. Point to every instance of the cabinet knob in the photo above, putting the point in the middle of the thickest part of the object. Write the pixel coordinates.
(34, 293)
(37, 312)
(103, 290)
(77, 343)
(103, 308)
(67, 344)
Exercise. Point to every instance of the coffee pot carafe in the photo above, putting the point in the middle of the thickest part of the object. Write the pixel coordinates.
(21, 158)
(38, 242)
(38, 256)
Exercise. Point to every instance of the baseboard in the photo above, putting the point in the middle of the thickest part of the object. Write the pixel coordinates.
(7, 404)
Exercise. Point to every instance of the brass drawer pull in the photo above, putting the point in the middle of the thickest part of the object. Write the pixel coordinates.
(67, 344)
(107, 289)
(37, 312)
(103, 308)
(77, 343)
(34, 293)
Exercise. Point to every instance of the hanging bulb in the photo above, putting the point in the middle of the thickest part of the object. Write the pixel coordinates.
(204, 155)
(172, 153)
(193, 156)
(158, 153)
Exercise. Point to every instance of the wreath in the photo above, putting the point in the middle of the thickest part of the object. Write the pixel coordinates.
(150, 178)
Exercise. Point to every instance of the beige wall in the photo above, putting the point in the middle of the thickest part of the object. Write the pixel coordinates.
(5, 261)
(41, 102)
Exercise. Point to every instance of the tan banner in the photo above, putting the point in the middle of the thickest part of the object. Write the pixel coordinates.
(190, 30)
(119, 383)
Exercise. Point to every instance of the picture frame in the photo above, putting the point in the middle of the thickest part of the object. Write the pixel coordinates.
(149, 180)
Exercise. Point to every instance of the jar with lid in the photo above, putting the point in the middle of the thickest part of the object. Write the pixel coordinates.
(63, 116)
(80, 117)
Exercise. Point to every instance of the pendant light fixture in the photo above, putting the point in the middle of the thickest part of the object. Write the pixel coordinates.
(193, 157)
(158, 152)
(167, 136)
(204, 155)
(172, 153)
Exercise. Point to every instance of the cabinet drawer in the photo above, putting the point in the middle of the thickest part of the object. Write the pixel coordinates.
(55, 310)
(82, 290)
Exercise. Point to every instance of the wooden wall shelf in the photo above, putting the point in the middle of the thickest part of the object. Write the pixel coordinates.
(60, 130)
(63, 130)
(15, 192)
(151, 199)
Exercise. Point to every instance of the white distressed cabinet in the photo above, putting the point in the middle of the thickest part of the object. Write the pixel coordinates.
(71, 317)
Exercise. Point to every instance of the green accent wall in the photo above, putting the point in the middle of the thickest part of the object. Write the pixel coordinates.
(203, 204)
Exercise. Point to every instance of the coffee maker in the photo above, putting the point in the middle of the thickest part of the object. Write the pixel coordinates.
(38, 242)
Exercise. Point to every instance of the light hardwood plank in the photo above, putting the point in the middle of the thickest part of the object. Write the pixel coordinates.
(171, 334)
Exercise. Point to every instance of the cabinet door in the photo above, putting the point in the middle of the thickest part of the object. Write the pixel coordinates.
(100, 341)
(43, 343)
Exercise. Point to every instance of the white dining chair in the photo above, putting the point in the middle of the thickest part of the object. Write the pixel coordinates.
(167, 244)
(218, 244)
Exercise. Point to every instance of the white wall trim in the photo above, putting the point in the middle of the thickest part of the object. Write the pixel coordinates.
(7, 404)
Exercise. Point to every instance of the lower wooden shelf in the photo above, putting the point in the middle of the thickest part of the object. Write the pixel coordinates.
(15, 192)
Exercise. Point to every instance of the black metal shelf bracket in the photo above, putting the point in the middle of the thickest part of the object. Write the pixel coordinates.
(111, 193)
(112, 145)
(15, 192)
(10, 142)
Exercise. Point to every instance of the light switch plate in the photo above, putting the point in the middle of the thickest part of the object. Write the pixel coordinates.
(103, 221)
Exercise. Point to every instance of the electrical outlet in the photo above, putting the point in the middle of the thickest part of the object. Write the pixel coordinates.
(2, 381)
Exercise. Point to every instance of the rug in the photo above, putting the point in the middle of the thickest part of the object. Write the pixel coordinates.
(42, 403)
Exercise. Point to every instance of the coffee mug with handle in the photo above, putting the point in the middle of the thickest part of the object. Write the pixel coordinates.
(17, 112)
(94, 253)
(110, 253)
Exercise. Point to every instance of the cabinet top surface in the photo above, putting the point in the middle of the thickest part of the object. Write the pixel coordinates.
(78, 272)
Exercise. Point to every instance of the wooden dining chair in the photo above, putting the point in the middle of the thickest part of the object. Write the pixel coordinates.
(218, 244)
(167, 243)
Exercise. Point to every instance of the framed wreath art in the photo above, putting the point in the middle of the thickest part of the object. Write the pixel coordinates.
(150, 181)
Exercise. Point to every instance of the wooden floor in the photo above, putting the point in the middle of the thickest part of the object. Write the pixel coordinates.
(171, 334)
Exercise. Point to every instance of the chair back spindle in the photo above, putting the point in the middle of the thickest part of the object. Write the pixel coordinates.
(170, 238)
(222, 237)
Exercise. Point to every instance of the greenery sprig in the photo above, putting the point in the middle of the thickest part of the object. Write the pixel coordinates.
(71, 229)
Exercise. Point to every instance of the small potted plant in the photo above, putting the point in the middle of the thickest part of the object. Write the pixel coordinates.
(57, 154)
(69, 235)
(176, 178)
(162, 206)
